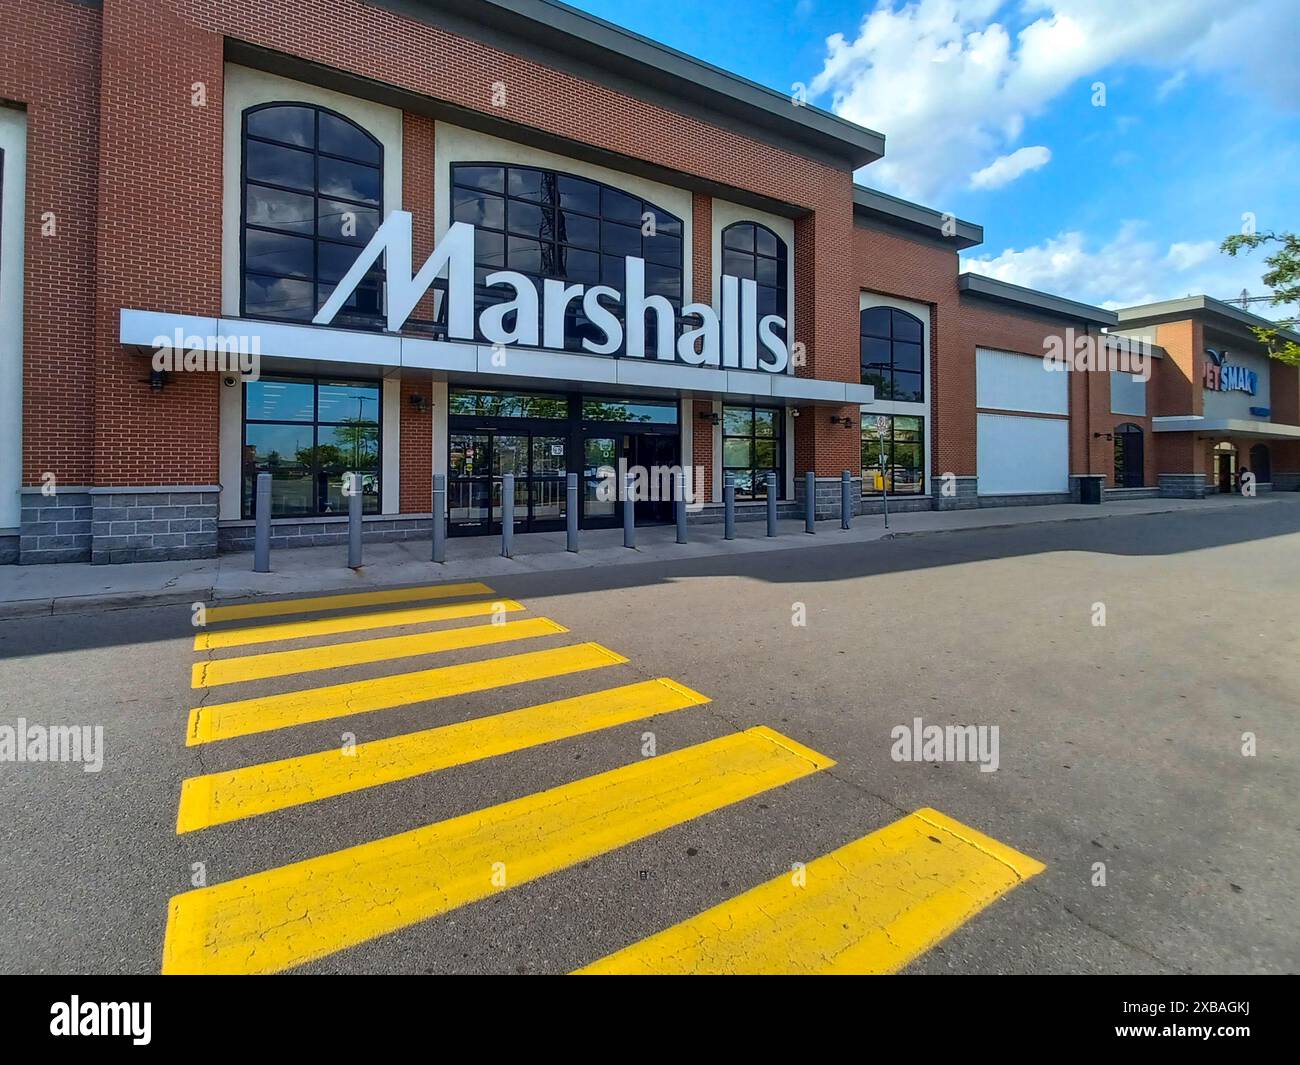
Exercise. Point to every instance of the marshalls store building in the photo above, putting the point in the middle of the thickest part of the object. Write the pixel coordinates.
(480, 237)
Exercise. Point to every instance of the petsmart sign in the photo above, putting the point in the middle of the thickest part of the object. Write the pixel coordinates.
(1223, 376)
(735, 338)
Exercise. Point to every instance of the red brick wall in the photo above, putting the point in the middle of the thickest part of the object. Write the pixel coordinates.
(702, 442)
(891, 265)
(1178, 390)
(1090, 414)
(418, 194)
(701, 248)
(159, 239)
(49, 62)
(417, 444)
(135, 173)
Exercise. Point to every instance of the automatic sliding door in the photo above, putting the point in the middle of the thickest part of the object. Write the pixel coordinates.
(548, 482)
(599, 466)
(469, 486)
(510, 455)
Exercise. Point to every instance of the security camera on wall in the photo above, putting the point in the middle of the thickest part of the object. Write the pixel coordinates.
(230, 380)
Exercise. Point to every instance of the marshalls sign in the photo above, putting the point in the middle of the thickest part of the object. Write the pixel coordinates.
(735, 338)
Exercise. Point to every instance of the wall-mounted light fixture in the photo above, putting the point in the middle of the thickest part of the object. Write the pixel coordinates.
(845, 421)
(1108, 436)
(711, 417)
(419, 403)
(156, 380)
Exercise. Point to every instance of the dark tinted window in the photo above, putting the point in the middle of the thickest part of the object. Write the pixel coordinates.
(754, 252)
(307, 433)
(751, 448)
(891, 354)
(893, 454)
(313, 196)
(550, 225)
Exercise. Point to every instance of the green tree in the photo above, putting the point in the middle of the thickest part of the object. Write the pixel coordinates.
(1283, 277)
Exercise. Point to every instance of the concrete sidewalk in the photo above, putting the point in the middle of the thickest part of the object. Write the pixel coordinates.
(70, 588)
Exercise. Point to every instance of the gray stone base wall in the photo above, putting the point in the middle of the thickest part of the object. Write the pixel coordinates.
(1038, 499)
(897, 504)
(1286, 482)
(153, 524)
(55, 528)
(1110, 495)
(712, 513)
(8, 548)
(826, 501)
(326, 532)
(1183, 486)
(965, 497)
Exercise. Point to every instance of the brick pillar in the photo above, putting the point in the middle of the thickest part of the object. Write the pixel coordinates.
(701, 430)
(826, 326)
(701, 248)
(417, 443)
(158, 239)
(417, 194)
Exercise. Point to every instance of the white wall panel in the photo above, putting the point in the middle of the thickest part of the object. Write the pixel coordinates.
(1016, 455)
(1128, 394)
(13, 149)
(1006, 381)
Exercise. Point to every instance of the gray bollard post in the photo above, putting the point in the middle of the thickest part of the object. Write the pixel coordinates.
(629, 514)
(262, 531)
(571, 513)
(353, 481)
(810, 502)
(884, 499)
(679, 505)
(771, 502)
(846, 500)
(729, 507)
(440, 517)
(507, 514)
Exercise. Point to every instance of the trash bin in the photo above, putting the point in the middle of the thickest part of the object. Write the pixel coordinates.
(1090, 489)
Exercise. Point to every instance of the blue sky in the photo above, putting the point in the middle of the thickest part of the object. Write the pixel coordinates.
(989, 110)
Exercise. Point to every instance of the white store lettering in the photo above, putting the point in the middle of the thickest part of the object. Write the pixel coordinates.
(736, 339)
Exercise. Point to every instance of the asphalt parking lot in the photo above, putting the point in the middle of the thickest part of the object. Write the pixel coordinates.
(1120, 764)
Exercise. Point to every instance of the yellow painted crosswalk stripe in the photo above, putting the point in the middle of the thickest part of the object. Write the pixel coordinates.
(284, 917)
(243, 717)
(870, 907)
(383, 619)
(344, 601)
(217, 798)
(333, 656)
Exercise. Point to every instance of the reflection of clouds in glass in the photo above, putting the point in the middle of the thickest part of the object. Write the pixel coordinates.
(348, 180)
(278, 295)
(279, 209)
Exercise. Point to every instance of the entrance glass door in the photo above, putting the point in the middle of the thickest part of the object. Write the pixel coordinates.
(1225, 467)
(477, 463)
(599, 476)
(655, 453)
(469, 484)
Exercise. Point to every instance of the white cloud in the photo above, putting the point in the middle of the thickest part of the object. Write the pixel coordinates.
(1127, 269)
(1183, 255)
(951, 87)
(1006, 168)
(1172, 84)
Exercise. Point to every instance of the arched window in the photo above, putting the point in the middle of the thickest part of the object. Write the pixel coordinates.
(546, 224)
(312, 198)
(1130, 461)
(891, 350)
(754, 252)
